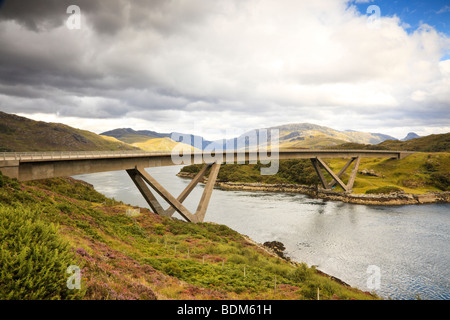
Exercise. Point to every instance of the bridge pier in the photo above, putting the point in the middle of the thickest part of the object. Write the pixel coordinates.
(141, 178)
(318, 163)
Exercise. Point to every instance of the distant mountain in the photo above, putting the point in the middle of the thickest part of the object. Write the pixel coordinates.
(295, 135)
(131, 136)
(410, 135)
(20, 134)
(308, 135)
(313, 131)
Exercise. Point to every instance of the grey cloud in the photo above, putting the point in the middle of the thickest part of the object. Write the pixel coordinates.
(110, 16)
(145, 58)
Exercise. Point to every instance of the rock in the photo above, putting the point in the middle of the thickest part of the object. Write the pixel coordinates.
(426, 198)
(370, 172)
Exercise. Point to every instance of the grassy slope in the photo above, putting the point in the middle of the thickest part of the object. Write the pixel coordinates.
(431, 143)
(162, 144)
(142, 257)
(417, 173)
(21, 134)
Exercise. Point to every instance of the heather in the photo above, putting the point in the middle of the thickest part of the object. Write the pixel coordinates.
(49, 225)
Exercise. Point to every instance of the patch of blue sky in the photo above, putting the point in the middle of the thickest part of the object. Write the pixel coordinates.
(412, 13)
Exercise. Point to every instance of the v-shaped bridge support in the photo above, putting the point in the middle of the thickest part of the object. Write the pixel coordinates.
(317, 163)
(141, 178)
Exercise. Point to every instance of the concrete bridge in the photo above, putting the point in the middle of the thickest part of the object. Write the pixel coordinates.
(28, 166)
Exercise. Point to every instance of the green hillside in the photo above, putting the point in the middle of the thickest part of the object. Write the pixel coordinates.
(417, 173)
(19, 134)
(431, 143)
(163, 144)
(47, 226)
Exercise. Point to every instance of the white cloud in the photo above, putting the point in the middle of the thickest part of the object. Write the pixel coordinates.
(444, 9)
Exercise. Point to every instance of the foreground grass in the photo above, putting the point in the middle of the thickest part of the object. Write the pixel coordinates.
(64, 222)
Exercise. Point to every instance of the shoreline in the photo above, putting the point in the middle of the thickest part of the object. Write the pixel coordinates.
(397, 198)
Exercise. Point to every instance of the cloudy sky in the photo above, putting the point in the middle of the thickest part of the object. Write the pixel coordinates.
(226, 66)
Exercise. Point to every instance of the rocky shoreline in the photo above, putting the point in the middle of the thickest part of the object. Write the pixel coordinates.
(395, 198)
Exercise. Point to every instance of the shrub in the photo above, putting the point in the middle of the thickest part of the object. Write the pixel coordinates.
(441, 181)
(33, 258)
(429, 166)
(172, 268)
(302, 273)
(384, 190)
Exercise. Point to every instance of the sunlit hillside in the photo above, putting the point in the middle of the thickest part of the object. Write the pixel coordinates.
(163, 144)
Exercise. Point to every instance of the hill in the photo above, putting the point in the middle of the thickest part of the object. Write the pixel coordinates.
(431, 143)
(130, 253)
(297, 135)
(410, 135)
(20, 134)
(312, 135)
(163, 144)
(131, 136)
(303, 135)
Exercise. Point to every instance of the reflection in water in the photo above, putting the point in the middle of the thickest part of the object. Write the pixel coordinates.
(410, 244)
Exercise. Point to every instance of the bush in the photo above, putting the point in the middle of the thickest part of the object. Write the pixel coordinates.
(33, 258)
(302, 273)
(172, 268)
(295, 171)
(440, 181)
(384, 190)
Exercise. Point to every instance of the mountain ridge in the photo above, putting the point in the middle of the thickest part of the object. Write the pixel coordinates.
(20, 134)
(410, 135)
(292, 135)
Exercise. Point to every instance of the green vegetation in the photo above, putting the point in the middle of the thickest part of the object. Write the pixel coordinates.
(417, 173)
(34, 258)
(47, 225)
(290, 171)
(384, 190)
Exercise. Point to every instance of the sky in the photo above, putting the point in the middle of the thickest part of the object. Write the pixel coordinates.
(220, 68)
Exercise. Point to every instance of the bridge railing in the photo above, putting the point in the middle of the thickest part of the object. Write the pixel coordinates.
(56, 155)
(63, 155)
